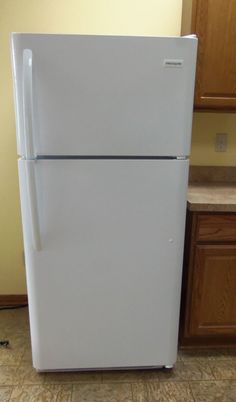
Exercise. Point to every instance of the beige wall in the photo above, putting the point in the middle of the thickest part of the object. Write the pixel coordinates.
(145, 17)
(205, 127)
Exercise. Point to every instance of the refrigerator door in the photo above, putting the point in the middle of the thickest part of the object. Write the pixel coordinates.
(103, 95)
(104, 285)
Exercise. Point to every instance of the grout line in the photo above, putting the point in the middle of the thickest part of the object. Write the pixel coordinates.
(71, 393)
(146, 389)
(212, 372)
(132, 393)
(191, 392)
(12, 392)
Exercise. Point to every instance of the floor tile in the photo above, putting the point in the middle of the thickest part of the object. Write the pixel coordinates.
(14, 321)
(169, 392)
(182, 372)
(123, 376)
(224, 370)
(27, 375)
(27, 356)
(214, 391)
(19, 344)
(5, 393)
(139, 392)
(207, 355)
(178, 358)
(10, 356)
(73, 377)
(42, 393)
(18, 341)
(8, 375)
(102, 393)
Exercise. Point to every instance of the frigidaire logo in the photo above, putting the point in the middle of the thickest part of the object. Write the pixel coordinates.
(173, 63)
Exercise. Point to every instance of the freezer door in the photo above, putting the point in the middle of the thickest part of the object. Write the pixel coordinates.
(103, 95)
(104, 285)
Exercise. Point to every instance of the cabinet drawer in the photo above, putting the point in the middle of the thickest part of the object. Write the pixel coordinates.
(216, 227)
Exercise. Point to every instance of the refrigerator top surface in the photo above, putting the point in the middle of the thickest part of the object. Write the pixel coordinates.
(76, 35)
(103, 95)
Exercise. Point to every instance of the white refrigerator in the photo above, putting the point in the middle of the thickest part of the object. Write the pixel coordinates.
(103, 134)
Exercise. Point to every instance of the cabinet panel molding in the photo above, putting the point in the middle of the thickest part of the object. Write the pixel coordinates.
(214, 290)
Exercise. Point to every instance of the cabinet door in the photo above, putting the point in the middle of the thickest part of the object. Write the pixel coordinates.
(214, 24)
(213, 304)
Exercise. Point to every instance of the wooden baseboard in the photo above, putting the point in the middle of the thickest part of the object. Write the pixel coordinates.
(13, 300)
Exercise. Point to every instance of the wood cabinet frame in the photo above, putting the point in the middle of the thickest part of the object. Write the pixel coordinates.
(191, 333)
(213, 21)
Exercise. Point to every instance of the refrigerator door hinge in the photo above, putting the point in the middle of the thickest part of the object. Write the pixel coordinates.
(181, 158)
(191, 36)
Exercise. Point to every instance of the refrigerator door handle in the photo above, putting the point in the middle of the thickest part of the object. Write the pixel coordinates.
(32, 203)
(28, 103)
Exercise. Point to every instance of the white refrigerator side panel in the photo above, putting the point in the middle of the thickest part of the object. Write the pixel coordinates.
(104, 290)
(108, 95)
(32, 290)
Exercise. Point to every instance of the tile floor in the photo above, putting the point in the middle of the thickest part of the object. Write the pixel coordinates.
(203, 376)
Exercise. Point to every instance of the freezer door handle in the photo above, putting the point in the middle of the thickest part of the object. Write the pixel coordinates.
(32, 203)
(28, 103)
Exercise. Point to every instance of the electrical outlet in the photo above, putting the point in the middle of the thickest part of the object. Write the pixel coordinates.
(221, 142)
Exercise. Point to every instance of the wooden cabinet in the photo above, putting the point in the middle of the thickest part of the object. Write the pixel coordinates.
(213, 21)
(208, 315)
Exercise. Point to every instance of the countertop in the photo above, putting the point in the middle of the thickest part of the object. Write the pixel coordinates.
(217, 197)
(212, 189)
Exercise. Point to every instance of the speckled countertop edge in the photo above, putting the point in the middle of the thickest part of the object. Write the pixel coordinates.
(207, 193)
